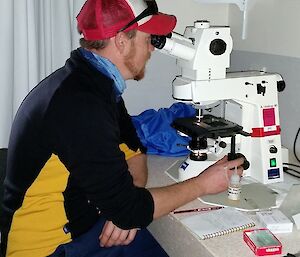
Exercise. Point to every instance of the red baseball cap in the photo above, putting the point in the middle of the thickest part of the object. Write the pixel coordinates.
(103, 19)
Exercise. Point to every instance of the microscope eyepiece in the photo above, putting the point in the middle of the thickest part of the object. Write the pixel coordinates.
(159, 41)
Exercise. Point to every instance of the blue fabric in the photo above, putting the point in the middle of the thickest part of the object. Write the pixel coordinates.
(155, 131)
(106, 67)
(87, 245)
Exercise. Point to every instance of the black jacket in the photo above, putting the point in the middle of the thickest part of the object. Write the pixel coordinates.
(74, 115)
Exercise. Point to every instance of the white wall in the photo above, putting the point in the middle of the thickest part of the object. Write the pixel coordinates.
(273, 27)
(188, 11)
(155, 90)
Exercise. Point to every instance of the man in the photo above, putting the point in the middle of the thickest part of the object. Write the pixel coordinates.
(69, 190)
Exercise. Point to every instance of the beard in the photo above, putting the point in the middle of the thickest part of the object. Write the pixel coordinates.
(138, 73)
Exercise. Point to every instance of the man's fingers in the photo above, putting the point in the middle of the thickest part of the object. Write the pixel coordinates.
(130, 236)
(235, 163)
(232, 171)
(239, 170)
(222, 160)
(116, 237)
(112, 235)
(107, 230)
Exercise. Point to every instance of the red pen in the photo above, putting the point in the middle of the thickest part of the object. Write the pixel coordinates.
(199, 209)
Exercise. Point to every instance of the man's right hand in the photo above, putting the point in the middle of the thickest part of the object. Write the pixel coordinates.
(215, 178)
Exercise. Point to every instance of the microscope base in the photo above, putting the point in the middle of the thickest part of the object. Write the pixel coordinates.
(254, 196)
(188, 168)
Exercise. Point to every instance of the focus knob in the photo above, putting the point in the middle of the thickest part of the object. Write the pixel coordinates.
(246, 163)
(273, 149)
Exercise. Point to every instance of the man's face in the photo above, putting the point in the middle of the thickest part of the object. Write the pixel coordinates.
(140, 53)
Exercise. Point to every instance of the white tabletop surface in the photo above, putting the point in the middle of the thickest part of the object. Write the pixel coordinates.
(179, 242)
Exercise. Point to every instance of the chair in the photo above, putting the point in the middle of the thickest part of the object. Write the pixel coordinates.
(3, 156)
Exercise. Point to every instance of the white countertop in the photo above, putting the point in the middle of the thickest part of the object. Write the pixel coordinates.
(179, 242)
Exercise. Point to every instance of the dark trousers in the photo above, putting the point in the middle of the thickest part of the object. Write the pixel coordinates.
(87, 245)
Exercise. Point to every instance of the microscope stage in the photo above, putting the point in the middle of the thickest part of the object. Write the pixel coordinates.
(209, 126)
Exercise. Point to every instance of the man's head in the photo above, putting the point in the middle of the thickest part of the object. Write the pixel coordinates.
(120, 30)
(103, 19)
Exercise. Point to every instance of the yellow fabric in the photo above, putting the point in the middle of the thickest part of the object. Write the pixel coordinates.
(128, 152)
(36, 228)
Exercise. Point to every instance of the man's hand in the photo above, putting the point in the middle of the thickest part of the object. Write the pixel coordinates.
(111, 235)
(215, 179)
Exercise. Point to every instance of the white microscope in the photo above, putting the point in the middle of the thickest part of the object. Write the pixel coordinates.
(237, 112)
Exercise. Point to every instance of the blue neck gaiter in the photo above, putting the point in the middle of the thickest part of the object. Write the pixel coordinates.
(108, 69)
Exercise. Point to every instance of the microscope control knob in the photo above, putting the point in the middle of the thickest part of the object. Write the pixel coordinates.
(246, 163)
(217, 46)
(280, 85)
(222, 144)
(273, 149)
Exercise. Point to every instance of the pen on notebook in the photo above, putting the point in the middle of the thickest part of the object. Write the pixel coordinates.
(199, 209)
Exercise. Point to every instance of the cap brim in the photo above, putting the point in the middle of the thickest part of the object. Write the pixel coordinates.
(159, 24)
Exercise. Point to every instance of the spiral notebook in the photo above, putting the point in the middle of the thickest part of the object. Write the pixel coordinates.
(217, 222)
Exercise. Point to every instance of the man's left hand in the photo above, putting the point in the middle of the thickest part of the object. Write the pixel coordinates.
(111, 235)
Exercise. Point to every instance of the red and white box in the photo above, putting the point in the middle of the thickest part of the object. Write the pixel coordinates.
(262, 241)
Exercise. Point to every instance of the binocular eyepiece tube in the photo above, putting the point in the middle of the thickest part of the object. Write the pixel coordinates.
(176, 46)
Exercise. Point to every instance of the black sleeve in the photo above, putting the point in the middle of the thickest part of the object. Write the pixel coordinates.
(128, 131)
(87, 137)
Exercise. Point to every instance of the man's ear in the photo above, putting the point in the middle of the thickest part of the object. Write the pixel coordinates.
(122, 43)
